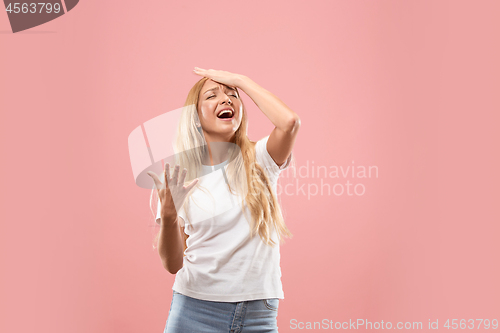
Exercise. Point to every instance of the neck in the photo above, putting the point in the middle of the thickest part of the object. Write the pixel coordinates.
(217, 150)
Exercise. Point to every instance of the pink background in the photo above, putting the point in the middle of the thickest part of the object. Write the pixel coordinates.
(408, 86)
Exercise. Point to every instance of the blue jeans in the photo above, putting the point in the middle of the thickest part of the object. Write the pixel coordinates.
(191, 315)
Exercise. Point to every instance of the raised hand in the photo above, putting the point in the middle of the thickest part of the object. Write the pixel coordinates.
(227, 78)
(172, 196)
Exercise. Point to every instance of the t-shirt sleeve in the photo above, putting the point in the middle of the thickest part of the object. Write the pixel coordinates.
(158, 210)
(266, 161)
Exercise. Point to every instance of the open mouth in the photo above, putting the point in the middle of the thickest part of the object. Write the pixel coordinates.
(226, 114)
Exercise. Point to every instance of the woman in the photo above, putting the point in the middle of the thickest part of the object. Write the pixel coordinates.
(227, 279)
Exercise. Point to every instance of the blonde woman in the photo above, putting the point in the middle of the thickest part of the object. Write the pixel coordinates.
(220, 233)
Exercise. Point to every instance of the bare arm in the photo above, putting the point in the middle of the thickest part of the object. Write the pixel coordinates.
(286, 122)
(171, 244)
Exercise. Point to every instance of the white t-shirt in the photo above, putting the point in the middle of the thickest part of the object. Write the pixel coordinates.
(221, 262)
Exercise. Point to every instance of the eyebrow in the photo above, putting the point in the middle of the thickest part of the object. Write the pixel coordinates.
(226, 87)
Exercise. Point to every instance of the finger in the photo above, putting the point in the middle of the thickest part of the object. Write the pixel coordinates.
(190, 186)
(175, 176)
(183, 176)
(156, 180)
(167, 169)
(198, 71)
(165, 180)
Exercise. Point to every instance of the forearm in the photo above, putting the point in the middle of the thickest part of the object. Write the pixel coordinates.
(171, 245)
(278, 113)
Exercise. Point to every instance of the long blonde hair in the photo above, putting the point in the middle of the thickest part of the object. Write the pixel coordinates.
(191, 146)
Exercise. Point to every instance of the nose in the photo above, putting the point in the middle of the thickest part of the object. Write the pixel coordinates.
(226, 99)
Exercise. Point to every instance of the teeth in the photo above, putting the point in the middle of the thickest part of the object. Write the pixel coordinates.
(225, 111)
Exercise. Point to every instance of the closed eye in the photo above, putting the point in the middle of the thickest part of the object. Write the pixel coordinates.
(214, 96)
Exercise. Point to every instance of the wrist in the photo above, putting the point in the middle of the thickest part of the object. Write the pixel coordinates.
(169, 220)
(243, 81)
